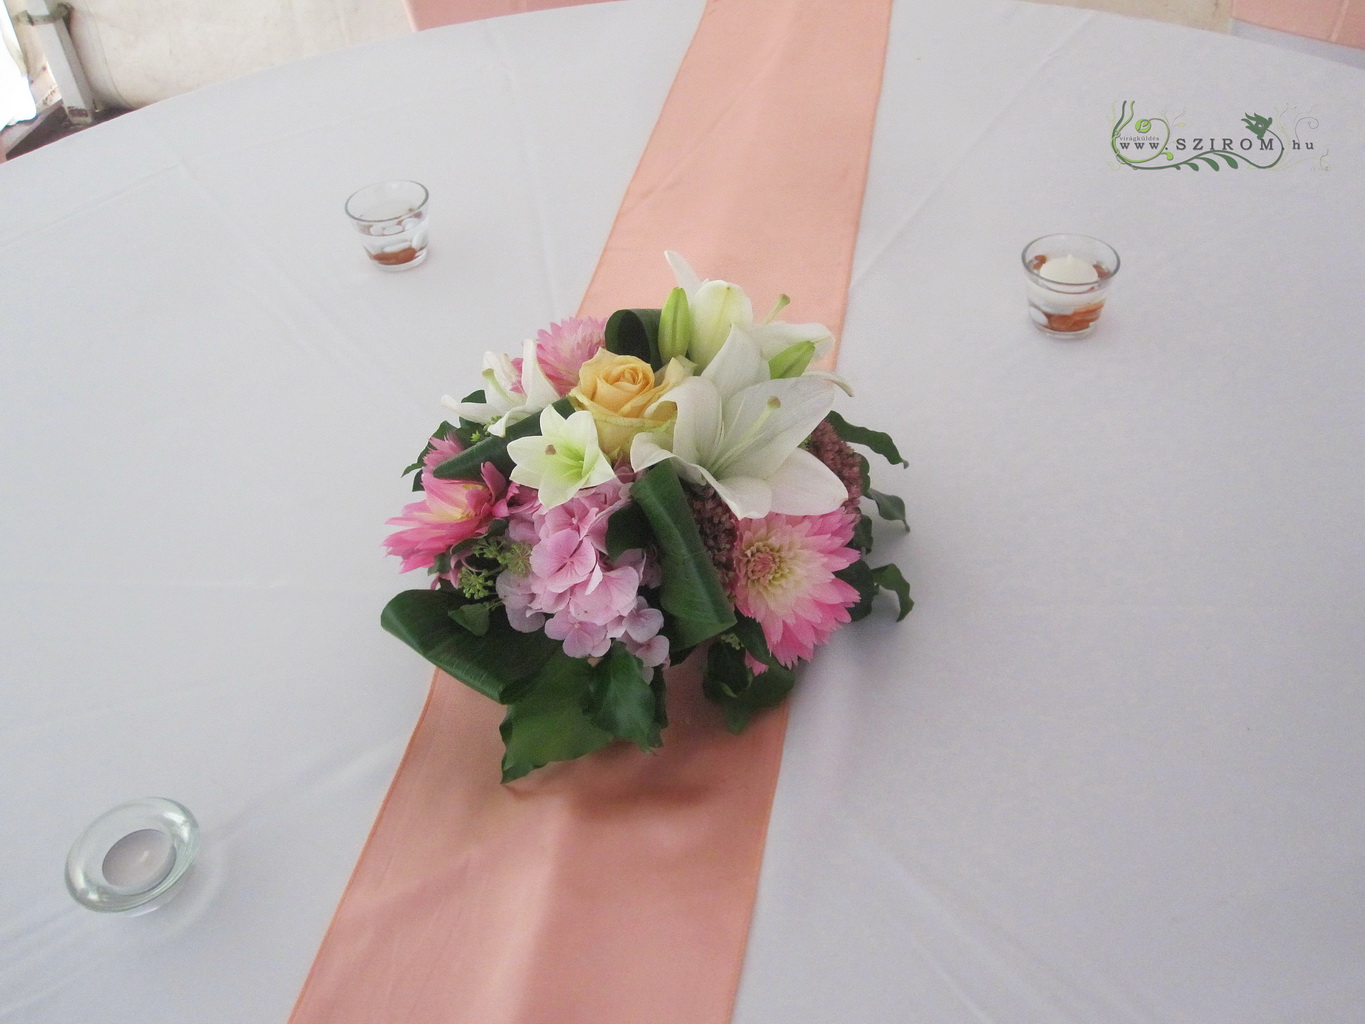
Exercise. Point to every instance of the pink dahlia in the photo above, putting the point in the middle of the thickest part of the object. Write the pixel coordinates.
(565, 346)
(784, 578)
(450, 512)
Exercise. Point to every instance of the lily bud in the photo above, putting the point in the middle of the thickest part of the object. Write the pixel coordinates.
(675, 326)
(792, 360)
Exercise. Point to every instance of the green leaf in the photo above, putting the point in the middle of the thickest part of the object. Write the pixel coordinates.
(627, 528)
(874, 439)
(859, 577)
(864, 473)
(473, 617)
(675, 326)
(660, 687)
(889, 507)
(750, 635)
(862, 534)
(691, 593)
(635, 332)
(622, 702)
(792, 360)
(548, 723)
(730, 684)
(500, 664)
(889, 577)
(468, 465)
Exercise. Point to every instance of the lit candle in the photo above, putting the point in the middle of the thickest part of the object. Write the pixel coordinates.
(138, 862)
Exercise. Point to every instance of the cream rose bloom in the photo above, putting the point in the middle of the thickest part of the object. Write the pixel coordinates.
(619, 391)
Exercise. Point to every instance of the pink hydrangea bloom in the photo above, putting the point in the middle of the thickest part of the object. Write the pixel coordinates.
(784, 578)
(450, 512)
(565, 346)
(572, 590)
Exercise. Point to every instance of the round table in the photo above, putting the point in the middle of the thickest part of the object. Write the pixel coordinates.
(1107, 770)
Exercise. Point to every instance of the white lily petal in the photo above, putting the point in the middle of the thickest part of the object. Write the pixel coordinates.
(686, 277)
(536, 390)
(498, 376)
(777, 335)
(774, 418)
(805, 486)
(699, 428)
(739, 364)
(645, 451)
(499, 427)
(534, 384)
(579, 428)
(562, 459)
(833, 378)
(747, 496)
(716, 307)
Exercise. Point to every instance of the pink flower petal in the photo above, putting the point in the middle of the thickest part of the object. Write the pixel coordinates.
(562, 560)
(784, 578)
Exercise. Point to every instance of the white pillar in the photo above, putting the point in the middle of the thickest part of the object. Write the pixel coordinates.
(62, 61)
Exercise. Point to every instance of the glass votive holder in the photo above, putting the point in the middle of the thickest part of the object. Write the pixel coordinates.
(134, 857)
(391, 217)
(1068, 277)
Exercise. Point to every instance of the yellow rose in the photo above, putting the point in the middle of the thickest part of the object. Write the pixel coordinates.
(618, 391)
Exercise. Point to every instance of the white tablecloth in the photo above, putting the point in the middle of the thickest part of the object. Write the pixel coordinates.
(1109, 768)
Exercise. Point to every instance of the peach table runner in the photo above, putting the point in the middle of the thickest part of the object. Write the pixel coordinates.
(424, 14)
(617, 889)
(1333, 21)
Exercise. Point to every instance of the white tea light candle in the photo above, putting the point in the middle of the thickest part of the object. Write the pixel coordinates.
(1068, 270)
(138, 862)
(1067, 278)
(132, 858)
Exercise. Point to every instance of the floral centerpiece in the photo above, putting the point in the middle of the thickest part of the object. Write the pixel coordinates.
(627, 491)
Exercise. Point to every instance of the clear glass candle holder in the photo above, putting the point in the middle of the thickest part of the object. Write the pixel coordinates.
(1067, 280)
(391, 217)
(134, 857)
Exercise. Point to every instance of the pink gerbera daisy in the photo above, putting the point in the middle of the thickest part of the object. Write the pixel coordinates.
(565, 346)
(451, 512)
(784, 578)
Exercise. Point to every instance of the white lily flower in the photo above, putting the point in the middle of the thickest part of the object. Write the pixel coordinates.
(717, 306)
(562, 459)
(740, 432)
(502, 406)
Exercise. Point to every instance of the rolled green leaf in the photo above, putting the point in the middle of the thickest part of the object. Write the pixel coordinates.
(691, 593)
(635, 332)
(500, 664)
(627, 528)
(473, 617)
